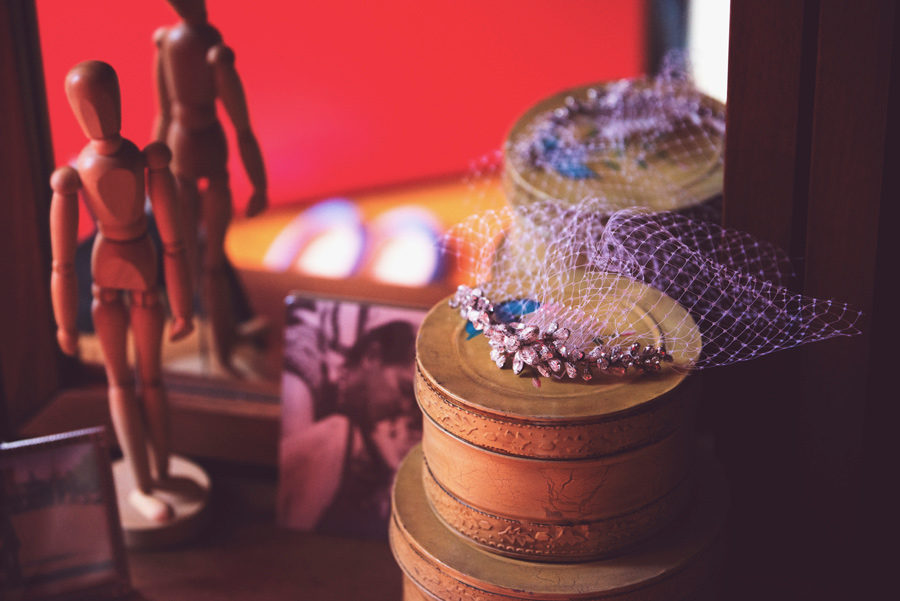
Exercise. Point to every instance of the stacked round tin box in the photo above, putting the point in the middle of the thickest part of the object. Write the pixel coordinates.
(547, 489)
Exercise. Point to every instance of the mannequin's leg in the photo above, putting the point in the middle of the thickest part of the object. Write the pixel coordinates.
(147, 320)
(111, 323)
(216, 217)
(189, 204)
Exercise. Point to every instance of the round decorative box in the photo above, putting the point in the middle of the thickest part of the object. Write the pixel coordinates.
(678, 564)
(680, 169)
(567, 471)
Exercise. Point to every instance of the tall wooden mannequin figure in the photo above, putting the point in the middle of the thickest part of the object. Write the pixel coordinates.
(193, 69)
(111, 175)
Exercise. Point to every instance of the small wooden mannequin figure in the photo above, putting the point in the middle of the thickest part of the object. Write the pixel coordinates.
(110, 173)
(193, 69)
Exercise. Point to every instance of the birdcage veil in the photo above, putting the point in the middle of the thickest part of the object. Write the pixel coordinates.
(603, 194)
(656, 142)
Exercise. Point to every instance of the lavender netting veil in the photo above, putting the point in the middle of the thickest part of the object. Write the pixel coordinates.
(566, 280)
(539, 273)
(656, 142)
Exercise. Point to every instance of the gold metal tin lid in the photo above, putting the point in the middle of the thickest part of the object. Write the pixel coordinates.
(675, 564)
(463, 392)
(697, 177)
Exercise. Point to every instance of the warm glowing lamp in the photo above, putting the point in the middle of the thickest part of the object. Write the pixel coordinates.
(326, 240)
(404, 249)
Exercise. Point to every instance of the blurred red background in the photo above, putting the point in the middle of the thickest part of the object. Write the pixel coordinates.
(347, 95)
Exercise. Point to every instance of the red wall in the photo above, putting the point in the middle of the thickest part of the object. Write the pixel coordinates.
(351, 94)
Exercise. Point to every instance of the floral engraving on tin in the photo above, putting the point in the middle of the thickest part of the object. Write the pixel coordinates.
(430, 578)
(435, 582)
(557, 441)
(558, 541)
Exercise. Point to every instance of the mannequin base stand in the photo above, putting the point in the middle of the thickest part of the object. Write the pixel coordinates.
(187, 493)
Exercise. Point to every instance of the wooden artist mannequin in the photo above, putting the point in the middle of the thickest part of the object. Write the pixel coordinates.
(110, 173)
(193, 69)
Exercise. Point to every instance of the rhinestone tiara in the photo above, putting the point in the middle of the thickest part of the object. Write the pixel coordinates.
(547, 351)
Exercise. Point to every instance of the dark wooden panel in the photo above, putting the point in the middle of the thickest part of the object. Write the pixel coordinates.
(847, 192)
(29, 359)
(847, 168)
(770, 94)
(770, 70)
(880, 444)
(815, 418)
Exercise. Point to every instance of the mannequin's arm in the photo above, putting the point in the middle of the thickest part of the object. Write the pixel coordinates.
(161, 189)
(163, 102)
(64, 240)
(231, 91)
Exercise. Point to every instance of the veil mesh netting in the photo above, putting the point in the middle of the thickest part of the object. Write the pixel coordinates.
(549, 272)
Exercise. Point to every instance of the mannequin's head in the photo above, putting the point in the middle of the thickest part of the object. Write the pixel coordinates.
(92, 88)
(192, 11)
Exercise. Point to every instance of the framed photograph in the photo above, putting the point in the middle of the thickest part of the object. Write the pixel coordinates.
(349, 414)
(60, 537)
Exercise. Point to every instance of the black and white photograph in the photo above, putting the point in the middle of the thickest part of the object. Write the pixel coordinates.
(349, 414)
(59, 528)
